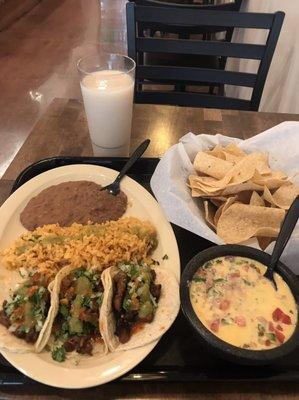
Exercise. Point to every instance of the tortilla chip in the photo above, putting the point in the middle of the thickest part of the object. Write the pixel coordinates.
(240, 222)
(273, 180)
(246, 186)
(209, 213)
(283, 196)
(222, 208)
(240, 173)
(229, 153)
(256, 200)
(218, 200)
(217, 151)
(233, 149)
(211, 166)
(232, 179)
(231, 157)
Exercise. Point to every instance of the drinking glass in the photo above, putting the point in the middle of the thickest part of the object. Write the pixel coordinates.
(107, 85)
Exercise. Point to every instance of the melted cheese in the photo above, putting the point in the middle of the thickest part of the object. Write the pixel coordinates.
(234, 301)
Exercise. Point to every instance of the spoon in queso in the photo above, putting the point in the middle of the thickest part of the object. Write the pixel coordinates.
(284, 235)
(114, 187)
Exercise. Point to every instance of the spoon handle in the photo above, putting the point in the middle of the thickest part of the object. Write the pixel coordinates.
(286, 230)
(134, 157)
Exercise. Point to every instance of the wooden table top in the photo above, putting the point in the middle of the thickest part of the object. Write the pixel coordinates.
(63, 131)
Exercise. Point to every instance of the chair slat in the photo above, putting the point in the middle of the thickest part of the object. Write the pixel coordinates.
(194, 17)
(231, 6)
(186, 99)
(188, 74)
(180, 46)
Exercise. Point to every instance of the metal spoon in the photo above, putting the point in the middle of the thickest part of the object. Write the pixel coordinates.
(114, 188)
(284, 235)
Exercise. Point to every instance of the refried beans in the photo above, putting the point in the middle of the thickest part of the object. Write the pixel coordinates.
(69, 202)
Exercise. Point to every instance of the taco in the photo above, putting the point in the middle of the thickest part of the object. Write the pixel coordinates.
(139, 305)
(75, 327)
(24, 315)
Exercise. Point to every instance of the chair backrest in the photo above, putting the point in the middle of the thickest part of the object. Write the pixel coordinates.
(187, 75)
(233, 5)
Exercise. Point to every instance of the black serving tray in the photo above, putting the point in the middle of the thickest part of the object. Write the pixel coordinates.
(178, 357)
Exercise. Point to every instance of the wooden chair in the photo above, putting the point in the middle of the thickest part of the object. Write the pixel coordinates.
(174, 75)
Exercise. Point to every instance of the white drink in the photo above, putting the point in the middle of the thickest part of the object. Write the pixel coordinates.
(108, 102)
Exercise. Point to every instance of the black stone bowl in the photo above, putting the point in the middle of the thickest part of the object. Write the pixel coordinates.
(218, 346)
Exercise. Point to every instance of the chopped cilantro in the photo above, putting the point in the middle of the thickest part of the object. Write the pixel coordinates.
(21, 274)
(255, 267)
(37, 295)
(134, 270)
(271, 336)
(247, 282)
(198, 279)
(86, 301)
(65, 326)
(207, 264)
(23, 329)
(219, 280)
(88, 328)
(218, 261)
(79, 272)
(224, 321)
(127, 303)
(165, 257)
(64, 310)
(59, 354)
(261, 330)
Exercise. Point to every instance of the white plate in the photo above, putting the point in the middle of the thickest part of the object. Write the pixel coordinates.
(91, 371)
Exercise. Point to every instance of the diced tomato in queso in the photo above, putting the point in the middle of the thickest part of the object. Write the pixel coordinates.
(240, 320)
(279, 316)
(279, 335)
(224, 305)
(215, 325)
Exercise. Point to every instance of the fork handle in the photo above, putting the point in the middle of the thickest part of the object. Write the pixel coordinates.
(285, 233)
(134, 157)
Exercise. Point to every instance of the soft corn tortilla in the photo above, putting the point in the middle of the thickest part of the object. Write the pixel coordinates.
(168, 308)
(10, 342)
(98, 348)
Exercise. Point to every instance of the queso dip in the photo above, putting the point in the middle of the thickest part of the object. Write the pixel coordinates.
(233, 300)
